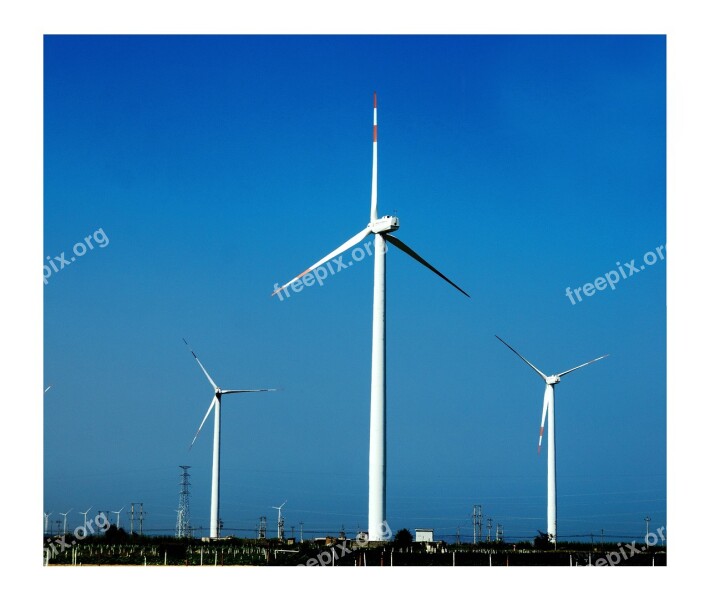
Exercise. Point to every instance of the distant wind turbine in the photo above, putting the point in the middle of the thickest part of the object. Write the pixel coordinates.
(217, 405)
(280, 523)
(118, 516)
(548, 409)
(46, 522)
(65, 519)
(86, 512)
(381, 228)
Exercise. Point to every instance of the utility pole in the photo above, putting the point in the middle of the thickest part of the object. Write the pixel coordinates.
(648, 520)
(301, 524)
(458, 535)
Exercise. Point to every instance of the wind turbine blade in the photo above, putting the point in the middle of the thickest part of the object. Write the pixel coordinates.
(545, 403)
(373, 203)
(580, 366)
(247, 391)
(407, 250)
(538, 371)
(47, 388)
(356, 239)
(207, 414)
(214, 385)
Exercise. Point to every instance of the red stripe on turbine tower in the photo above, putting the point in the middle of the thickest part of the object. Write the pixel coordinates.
(374, 126)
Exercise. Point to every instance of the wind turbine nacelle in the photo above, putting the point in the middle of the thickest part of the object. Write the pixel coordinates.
(384, 225)
(552, 380)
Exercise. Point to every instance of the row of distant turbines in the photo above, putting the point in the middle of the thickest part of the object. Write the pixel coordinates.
(382, 229)
(47, 524)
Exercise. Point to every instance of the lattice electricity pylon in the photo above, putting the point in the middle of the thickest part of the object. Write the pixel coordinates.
(183, 529)
(477, 519)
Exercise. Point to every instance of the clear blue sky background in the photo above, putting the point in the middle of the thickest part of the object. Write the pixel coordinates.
(219, 166)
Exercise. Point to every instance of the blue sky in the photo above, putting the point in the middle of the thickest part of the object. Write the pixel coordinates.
(219, 166)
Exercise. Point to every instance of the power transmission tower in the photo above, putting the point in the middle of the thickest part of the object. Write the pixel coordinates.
(477, 519)
(132, 504)
(301, 524)
(183, 529)
(489, 526)
(458, 535)
(262, 528)
(648, 520)
(499, 532)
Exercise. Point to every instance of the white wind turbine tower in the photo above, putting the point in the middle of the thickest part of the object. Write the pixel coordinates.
(65, 519)
(217, 405)
(86, 512)
(548, 409)
(382, 229)
(280, 523)
(118, 517)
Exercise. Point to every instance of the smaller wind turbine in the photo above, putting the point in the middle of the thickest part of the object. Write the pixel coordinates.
(46, 521)
(548, 410)
(217, 406)
(118, 516)
(86, 512)
(280, 523)
(65, 519)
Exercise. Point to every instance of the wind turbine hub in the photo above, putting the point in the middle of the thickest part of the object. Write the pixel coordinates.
(384, 225)
(552, 380)
(218, 391)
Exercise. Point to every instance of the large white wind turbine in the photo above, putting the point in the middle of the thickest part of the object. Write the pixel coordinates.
(548, 409)
(381, 228)
(217, 405)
